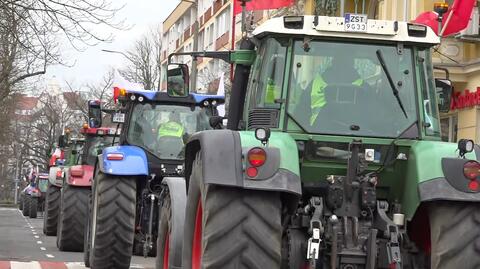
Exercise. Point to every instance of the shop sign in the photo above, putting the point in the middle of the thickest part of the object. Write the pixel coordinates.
(465, 99)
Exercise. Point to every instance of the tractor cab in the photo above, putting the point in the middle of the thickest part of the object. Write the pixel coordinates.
(161, 123)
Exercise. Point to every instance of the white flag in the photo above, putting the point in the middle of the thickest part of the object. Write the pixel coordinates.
(221, 92)
(120, 82)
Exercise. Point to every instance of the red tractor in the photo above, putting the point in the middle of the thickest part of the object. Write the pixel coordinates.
(76, 187)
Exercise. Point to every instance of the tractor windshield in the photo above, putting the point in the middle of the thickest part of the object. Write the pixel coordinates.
(164, 129)
(93, 147)
(341, 88)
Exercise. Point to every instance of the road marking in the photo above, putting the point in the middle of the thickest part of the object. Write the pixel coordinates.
(36, 236)
(33, 232)
(39, 242)
(49, 255)
(42, 248)
(25, 265)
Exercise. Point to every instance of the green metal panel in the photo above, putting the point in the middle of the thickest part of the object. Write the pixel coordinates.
(424, 164)
(288, 148)
(244, 57)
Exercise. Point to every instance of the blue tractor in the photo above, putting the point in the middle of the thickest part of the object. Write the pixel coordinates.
(132, 178)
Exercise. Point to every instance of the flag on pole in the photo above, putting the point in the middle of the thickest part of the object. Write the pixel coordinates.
(455, 19)
(221, 92)
(260, 5)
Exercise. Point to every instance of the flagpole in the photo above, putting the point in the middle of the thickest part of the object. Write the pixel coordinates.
(448, 19)
(233, 38)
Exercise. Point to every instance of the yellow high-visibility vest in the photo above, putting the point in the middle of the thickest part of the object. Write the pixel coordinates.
(317, 97)
(170, 129)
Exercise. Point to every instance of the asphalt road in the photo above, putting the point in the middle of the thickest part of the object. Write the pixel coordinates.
(23, 245)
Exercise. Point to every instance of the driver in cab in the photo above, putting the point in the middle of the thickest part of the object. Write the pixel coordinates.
(341, 72)
(172, 128)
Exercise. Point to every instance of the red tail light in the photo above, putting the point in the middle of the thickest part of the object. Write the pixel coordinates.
(471, 170)
(256, 157)
(115, 156)
(76, 172)
(59, 173)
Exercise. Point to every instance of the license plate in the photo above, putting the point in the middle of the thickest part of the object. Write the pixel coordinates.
(355, 22)
(118, 118)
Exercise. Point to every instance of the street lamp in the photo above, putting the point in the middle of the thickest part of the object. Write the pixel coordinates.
(121, 53)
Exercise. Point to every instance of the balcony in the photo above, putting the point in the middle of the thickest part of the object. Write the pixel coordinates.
(217, 5)
(186, 34)
(208, 14)
(222, 41)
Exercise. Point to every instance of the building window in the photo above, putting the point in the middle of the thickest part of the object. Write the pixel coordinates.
(209, 37)
(449, 128)
(222, 23)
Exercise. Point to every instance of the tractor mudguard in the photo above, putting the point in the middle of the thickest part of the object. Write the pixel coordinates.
(223, 162)
(52, 176)
(178, 197)
(133, 161)
(434, 173)
(79, 175)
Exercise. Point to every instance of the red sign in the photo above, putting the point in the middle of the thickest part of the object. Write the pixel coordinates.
(465, 99)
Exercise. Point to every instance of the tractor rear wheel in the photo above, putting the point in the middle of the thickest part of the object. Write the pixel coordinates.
(455, 235)
(86, 235)
(26, 205)
(170, 230)
(20, 203)
(33, 207)
(52, 207)
(230, 228)
(71, 222)
(113, 222)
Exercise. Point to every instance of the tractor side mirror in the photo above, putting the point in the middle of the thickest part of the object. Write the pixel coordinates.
(177, 80)
(94, 114)
(444, 91)
(62, 141)
(216, 122)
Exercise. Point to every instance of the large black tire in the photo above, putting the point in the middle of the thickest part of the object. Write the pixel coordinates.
(455, 235)
(113, 222)
(20, 203)
(86, 235)
(52, 207)
(71, 222)
(240, 228)
(26, 205)
(33, 207)
(170, 227)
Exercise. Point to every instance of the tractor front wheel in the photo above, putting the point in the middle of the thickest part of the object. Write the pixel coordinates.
(113, 222)
(33, 207)
(52, 207)
(26, 205)
(170, 230)
(455, 235)
(71, 222)
(230, 228)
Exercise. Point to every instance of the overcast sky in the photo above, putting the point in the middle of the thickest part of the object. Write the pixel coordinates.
(91, 64)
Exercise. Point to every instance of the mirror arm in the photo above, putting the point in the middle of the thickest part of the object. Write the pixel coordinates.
(447, 73)
(222, 55)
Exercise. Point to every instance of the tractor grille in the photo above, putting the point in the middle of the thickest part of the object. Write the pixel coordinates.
(263, 117)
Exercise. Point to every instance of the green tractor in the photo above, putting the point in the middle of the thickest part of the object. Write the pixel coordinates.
(332, 156)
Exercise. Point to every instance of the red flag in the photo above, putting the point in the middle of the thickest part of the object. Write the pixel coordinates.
(454, 20)
(261, 5)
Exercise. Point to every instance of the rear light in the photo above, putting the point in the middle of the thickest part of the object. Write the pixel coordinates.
(252, 172)
(256, 157)
(115, 156)
(471, 170)
(76, 172)
(59, 173)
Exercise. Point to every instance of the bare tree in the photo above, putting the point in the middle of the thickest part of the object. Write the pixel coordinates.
(101, 90)
(144, 60)
(29, 30)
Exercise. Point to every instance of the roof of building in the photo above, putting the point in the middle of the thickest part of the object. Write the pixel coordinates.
(25, 102)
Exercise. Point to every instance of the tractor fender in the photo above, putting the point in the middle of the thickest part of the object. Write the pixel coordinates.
(134, 161)
(223, 163)
(178, 203)
(79, 175)
(52, 176)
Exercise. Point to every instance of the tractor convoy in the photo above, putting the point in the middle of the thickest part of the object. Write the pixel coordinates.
(331, 158)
